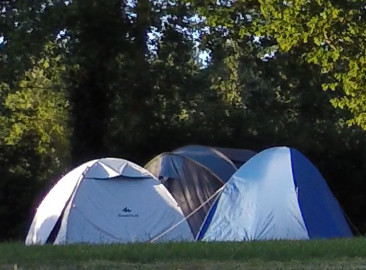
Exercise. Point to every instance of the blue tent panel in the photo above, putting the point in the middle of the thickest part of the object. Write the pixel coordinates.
(209, 157)
(321, 211)
(237, 156)
(258, 202)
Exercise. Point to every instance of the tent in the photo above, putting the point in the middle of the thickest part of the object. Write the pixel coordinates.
(108, 200)
(237, 156)
(192, 185)
(220, 160)
(277, 194)
(209, 157)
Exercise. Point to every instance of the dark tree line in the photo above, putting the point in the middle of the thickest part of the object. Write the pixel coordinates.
(84, 79)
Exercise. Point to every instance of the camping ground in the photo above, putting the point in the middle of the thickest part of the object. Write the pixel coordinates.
(311, 254)
(80, 82)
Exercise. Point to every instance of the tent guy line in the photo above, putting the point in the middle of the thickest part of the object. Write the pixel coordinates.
(187, 217)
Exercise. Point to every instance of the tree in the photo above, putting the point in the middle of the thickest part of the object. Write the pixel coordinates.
(34, 138)
(25, 27)
(95, 38)
(330, 34)
(162, 93)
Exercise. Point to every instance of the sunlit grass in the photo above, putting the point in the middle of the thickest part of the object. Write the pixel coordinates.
(258, 255)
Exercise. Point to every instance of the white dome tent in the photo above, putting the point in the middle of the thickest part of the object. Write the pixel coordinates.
(108, 200)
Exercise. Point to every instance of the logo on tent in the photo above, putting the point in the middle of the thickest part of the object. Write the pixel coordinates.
(127, 212)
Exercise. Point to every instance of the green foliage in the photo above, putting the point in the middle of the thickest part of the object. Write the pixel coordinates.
(34, 138)
(37, 110)
(325, 33)
(329, 34)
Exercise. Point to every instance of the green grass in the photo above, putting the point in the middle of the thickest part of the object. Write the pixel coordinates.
(314, 254)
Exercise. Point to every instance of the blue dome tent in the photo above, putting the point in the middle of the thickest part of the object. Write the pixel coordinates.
(277, 194)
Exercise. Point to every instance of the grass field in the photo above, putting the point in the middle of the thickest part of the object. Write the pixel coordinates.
(319, 254)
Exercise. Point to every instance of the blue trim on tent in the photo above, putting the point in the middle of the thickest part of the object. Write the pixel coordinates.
(206, 223)
(321, 212)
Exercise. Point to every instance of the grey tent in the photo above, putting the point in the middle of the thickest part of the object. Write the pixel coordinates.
(193, 186)
(237, 156)
(209, 157)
